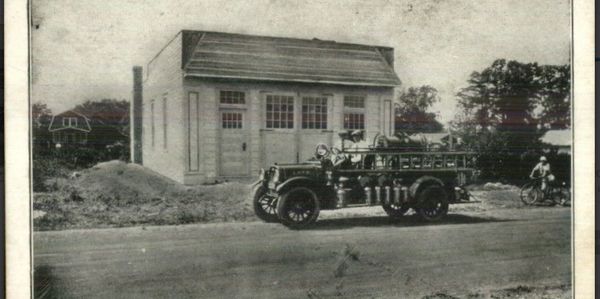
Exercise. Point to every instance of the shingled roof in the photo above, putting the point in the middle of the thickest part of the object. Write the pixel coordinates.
(237, 56)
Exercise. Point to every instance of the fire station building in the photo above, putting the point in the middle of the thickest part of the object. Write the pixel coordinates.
(213, 106)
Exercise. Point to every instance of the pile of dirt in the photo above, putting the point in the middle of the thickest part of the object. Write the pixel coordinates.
(120, 194)
(126, 183)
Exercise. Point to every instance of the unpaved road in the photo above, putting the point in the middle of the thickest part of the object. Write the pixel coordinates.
(370, 257)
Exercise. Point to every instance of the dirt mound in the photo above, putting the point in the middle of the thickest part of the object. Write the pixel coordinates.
(120, 194)
(125, 182)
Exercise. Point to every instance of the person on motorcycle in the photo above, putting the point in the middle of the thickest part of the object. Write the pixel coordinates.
(542, 171)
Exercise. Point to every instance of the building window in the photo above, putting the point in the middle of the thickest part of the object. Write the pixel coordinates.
(69, 121)
(152, 130)
(354, 112)
(354, 121)
(354, 102)
(232, 97)
(231, 120)
(164, 121)
(314, 113)
(280, 112)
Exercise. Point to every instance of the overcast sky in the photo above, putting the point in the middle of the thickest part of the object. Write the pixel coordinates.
(85, 49)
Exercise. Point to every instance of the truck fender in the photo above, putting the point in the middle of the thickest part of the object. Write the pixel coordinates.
(423, 181)
(256, 184)
(296, 181)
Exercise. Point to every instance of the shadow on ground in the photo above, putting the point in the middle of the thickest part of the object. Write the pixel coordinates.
(45, 283)
(406, 221)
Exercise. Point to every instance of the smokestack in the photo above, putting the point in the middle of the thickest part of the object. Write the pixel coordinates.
(136, 116)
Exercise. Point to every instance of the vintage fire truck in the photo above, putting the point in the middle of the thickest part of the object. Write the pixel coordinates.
(392, 176)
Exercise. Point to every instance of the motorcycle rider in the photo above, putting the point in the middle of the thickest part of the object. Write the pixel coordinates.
(542, 171)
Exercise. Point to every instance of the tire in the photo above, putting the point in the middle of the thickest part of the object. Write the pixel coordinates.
(265, 207)
(433, 203)
(394, 211)
(530, 193)
(298, 208)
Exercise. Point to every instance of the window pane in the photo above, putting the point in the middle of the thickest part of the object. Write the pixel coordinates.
(279, 112)
(232, 97)
(354, 121)
(314, 112)
(231, 120)
(354, 101)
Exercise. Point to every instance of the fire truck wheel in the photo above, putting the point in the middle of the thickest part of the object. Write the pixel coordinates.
(395, 211)
(433, 203)
(265, 207)
(298, 208)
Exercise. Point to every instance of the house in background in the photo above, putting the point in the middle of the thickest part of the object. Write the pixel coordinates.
(220, 105)
(559, 139)
(70, 128)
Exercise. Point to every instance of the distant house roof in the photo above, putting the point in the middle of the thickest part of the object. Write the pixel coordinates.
(238, 56)
(557, 137)
(80, 126)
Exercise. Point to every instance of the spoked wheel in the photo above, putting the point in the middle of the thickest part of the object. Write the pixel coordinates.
(531, 193)
(395, 211)
(433, 203)
(298, 208)
(265, 206)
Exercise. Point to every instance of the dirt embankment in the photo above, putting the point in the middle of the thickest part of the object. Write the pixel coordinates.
(119, 194)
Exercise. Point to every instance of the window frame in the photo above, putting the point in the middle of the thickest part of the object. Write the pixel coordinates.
(231, 105)
(293, 113)
(354, 110)
(67, 121)
(238, 123)
(326, 113)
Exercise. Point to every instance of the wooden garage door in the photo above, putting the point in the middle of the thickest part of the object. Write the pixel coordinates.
(234, 143)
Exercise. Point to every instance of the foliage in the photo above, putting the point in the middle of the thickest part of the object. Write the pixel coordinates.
(109, 112)
(107, 141)
(41, 116)
(412, 115)
(554, 99)
(55, 163)
(506, 108)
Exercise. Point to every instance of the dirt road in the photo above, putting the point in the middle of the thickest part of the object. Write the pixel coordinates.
(368, 257)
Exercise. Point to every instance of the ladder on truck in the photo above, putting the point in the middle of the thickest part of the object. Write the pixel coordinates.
(396, 161)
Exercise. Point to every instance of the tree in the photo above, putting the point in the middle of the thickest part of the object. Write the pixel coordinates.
(554, 82)
(107, 114)
(41, 116)
(503, 107)
(412, 115)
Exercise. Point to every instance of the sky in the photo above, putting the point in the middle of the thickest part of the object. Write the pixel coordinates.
(85, 50)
